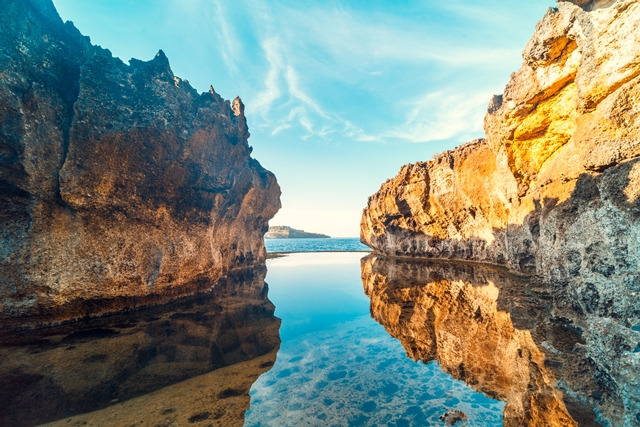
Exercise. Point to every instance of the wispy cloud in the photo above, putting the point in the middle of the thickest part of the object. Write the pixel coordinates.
(298, 93)
(264, 100)
(350, 38)
(280, 128)
(306, 124)
(314, 57)
(209, 31)
(439, 116)
(282, 83)
(357, 134)
(226, 34)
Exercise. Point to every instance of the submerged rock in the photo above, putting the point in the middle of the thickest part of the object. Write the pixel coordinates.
(453, 417)
(120, 184)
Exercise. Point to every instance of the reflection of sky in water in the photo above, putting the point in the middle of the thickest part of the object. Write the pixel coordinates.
(337, 366)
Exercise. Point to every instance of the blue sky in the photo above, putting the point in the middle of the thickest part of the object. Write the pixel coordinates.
(338, 94)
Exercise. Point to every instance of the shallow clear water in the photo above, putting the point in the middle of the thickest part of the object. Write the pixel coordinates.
(348, 244)
(337, 366)
(353, 339)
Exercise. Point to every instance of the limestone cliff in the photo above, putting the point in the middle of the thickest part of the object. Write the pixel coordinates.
(120, 185)
(553, 189)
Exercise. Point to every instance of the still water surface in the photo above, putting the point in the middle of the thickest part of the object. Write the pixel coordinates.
(191, 362)
(353, 339)
(338, 366)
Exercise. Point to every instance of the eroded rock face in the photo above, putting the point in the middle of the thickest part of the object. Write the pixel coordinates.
(120, 184)
(567, 120)
(495, 331)
(553, 190)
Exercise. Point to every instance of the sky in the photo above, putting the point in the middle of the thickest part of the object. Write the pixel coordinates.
(338, 94)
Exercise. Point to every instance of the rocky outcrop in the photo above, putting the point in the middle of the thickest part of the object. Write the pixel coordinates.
(553, 191)
(560, 157)
(284, 232)
(186, 361)
(120, 185)
(496, 332)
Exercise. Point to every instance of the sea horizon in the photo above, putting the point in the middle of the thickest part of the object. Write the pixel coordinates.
(316, 244)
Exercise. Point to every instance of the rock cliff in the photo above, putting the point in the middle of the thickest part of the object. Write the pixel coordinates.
(554, 188)
(560, 157)
(120, 184)
(284, 232)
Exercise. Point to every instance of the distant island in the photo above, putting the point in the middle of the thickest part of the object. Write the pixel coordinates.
(284, 232)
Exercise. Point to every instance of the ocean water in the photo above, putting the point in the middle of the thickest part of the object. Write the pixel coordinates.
(341, 244)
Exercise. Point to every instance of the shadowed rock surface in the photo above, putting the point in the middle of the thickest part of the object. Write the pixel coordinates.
(195, 358)
(120, 185)
(504, 336)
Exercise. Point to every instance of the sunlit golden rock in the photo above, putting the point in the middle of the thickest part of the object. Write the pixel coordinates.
(558, 161)
(553, 190)
(569, 111)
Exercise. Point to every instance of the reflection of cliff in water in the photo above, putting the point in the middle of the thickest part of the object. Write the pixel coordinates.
(81, 367)
(504, 337)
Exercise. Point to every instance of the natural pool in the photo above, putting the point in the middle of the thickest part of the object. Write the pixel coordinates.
(353, 339)
(338, 366)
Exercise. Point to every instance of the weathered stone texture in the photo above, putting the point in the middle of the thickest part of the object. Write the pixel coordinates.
(554, 190)
(119, 184)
